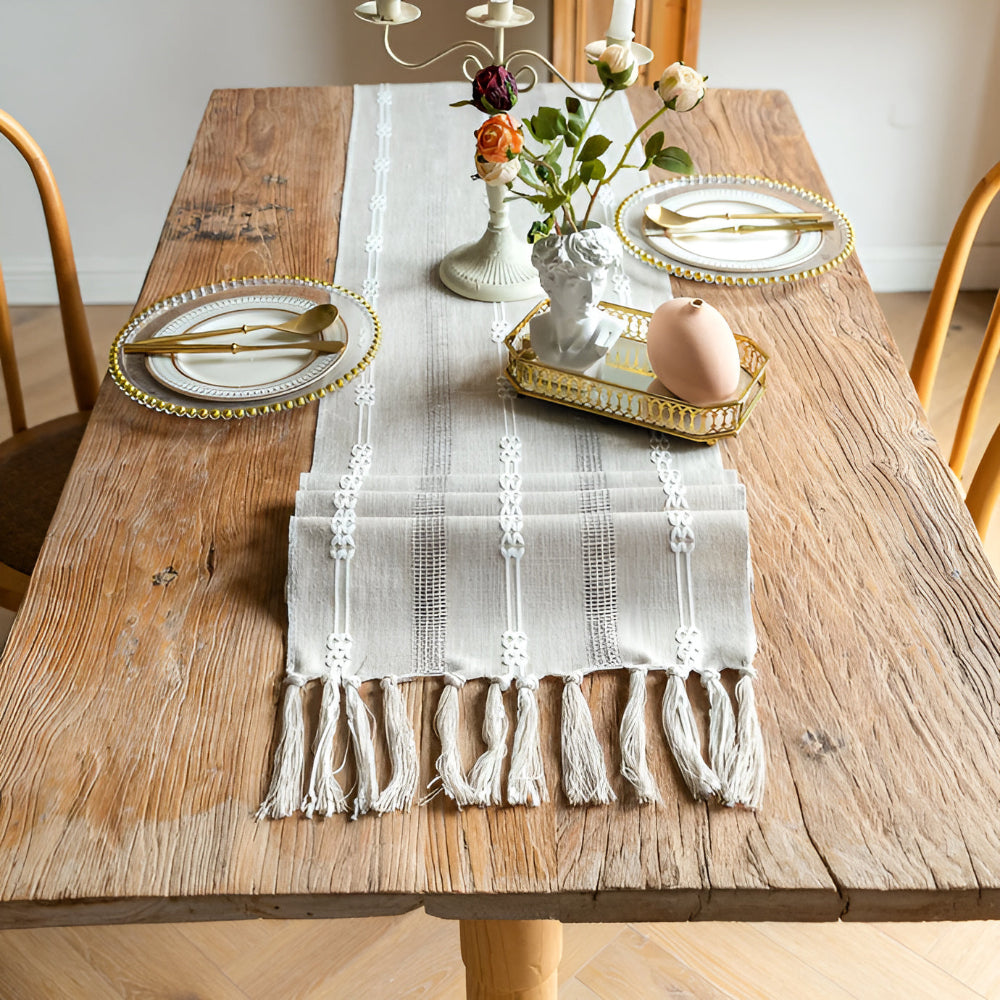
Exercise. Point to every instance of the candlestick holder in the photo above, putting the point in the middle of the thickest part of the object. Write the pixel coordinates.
(497, 267)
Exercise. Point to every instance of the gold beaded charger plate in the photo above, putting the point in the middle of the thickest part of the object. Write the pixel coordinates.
(235, 385)
(765, 255)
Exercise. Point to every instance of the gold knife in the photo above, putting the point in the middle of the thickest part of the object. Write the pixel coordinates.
(316, 346)
(797, 227)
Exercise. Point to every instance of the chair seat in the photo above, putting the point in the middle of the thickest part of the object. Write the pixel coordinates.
(34, 465)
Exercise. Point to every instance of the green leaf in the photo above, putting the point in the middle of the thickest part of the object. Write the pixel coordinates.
(544, 173)
(592, 170)
(540, 229)
(594, 147)
(553, 202)
(576, 126)
(552, 156)
(539, 129)
(547, 124)
(675, 159)
(574, 107)
(653, 145)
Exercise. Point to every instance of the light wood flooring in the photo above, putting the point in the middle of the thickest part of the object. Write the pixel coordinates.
(383, 958)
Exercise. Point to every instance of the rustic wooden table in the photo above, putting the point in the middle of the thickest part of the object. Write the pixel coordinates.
(139, 685)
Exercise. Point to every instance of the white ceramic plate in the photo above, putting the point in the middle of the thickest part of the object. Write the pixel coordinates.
(733, 258)
(251, 375)
(246, 384)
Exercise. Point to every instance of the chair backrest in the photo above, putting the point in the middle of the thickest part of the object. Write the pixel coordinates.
(669, 27)
(80, 352)
(984, 489)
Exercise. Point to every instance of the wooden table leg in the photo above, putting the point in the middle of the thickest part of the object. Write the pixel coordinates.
(511, 959)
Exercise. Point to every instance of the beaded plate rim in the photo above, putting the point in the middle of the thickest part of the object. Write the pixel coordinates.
(246, 282)
(720, 276)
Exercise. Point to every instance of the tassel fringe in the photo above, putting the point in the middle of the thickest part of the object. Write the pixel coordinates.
(736, 773)
(526, 780)
(721, 734)
(485, 775)
(632, 733)
(399, 793)
(325, 796)
(285, 794)
(685, 744)
(585, 777)
(750, 768)
(363, 746)
(449, 764)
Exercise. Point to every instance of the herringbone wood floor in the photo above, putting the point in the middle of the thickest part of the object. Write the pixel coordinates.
(418, 956)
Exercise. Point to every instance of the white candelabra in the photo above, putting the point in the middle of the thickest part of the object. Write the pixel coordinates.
(497, 267)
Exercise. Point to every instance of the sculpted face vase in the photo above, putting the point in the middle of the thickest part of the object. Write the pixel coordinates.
(573, 270)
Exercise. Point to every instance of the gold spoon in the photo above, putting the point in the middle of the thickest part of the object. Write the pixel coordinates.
(152, 347)
(304, 325)
(673, 220)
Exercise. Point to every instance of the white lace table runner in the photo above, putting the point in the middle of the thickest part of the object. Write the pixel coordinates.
(451, 529)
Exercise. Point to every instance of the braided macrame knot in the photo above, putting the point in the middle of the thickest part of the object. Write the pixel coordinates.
(295, 680)
(338, 656)
(531, 683)
(454, 680)
(352, 681)
(681, 535)
(576, 677)
(709, 675)
(514, 652)
(503, 682)
(681, 670)
(689, 646)
(387, 682)
(748, 670)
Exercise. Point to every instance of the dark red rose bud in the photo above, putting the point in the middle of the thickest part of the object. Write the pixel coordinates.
(494, 89)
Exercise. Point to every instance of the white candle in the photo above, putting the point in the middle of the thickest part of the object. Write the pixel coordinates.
(501, 10)
(622, 16)
(388, 10)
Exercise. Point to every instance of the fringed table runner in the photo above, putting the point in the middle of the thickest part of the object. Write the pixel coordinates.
(451, 529)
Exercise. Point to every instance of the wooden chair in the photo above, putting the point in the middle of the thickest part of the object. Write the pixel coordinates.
(669, 27)
(984, 490)
(35, 461)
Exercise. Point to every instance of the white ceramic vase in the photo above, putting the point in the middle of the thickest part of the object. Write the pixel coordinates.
(573, 269)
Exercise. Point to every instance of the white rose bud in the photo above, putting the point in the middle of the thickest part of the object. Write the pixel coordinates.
(681, 88)
(614, 61)
(496, 174)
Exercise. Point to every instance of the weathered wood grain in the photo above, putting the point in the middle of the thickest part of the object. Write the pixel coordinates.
(137, 715)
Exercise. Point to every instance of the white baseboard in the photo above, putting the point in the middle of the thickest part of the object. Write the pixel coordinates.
(913, 269)
(114, 280)
(30, 281)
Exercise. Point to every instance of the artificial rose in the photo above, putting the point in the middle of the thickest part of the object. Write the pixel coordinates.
(681, 88)
(494, 89)
(617, 67)
(499, 139)
(496, 174)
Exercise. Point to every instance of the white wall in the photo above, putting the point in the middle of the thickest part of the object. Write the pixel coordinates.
(896, 97)
(899, 101)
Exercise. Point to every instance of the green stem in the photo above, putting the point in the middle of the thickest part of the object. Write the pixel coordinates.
(621, 163)
(586, 128)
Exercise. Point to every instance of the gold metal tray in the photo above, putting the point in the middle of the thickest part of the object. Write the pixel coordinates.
(621, 389)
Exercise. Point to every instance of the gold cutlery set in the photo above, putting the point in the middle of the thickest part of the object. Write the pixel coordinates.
(309, 323)
(675, 224)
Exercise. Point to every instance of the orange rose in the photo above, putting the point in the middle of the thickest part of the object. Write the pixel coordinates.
(499, 139)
